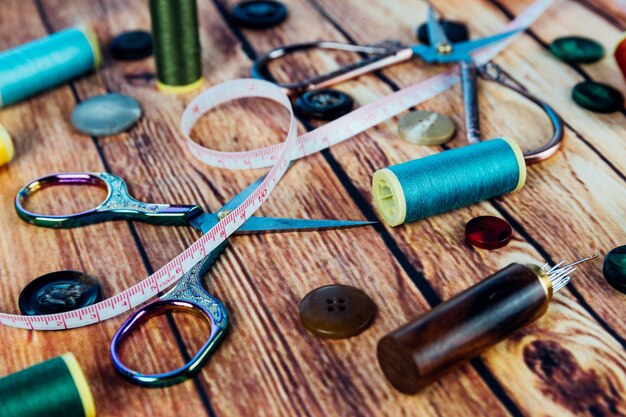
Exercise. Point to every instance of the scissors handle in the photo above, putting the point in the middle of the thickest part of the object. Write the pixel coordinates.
(118, 204)
(187, 296)
(382, 54)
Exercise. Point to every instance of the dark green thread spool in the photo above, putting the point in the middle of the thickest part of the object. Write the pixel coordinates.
(56, 387)
(176, 45)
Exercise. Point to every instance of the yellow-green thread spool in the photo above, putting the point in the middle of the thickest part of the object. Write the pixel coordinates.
(177, 49)
(57, 387)
(451, 179)
(6, 146)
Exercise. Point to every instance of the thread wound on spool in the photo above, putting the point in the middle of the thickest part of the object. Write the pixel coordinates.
(176, 45)
(438, 183)
(44, 63)
(6, 146)
(56, 387)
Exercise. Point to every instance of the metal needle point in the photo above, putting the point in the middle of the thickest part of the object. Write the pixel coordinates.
(559, 275)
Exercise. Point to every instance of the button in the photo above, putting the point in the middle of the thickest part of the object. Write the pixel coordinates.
(425, 128)
(488, 232)
(337, 311)
(598, 97)
(620, 54)
(107, 114)
(259, 14)
(326, 104)
(614, 269)
(455, 31)
(6, 146)
(58, 292)
(129, 46)
(577, 50)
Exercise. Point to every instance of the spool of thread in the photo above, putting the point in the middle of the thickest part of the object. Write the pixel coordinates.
(620, 53)
(44, 63)
(176, 45)
(456, 178)
(6, 146)
(56, 387)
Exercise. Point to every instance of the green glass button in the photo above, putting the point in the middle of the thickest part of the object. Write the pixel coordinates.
(598, 97)
(615, 268)
(425, 128)
(337, 311)
(577, 50)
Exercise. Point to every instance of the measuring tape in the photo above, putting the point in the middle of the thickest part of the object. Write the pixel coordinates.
(276, 156)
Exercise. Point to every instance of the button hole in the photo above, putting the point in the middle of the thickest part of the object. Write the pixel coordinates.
(331, 308)
(341, 300)
(342, 308)
(329, 300)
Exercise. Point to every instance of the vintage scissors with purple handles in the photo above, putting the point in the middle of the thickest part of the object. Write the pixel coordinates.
(188, 295)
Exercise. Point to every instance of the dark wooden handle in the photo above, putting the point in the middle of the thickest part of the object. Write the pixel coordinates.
(423, 350)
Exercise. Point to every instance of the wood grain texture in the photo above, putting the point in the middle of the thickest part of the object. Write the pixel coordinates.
(571, 362)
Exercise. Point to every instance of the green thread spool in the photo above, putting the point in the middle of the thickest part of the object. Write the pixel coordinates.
(456, 178)
(56, 387)
(176, 45)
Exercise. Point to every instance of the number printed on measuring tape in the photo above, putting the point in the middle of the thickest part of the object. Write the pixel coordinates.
(276, 156)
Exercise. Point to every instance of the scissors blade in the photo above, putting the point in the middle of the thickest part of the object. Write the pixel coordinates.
(277, 224)
(436, 34)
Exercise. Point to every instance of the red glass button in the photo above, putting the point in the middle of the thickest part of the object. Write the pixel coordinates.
(488, 232)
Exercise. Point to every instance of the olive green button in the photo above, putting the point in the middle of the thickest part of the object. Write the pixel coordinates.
(337, 311)
(598, 97)
(614, 269)
(425, 128)
(577, 50)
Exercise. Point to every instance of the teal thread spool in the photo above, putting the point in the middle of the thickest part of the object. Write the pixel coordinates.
(456, 178)
(176, 45)
(56, 387)
(44, 63)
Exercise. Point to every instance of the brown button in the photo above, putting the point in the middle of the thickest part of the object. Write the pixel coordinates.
(337, 311)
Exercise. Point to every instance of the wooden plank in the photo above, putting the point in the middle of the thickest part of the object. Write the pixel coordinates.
(268, 353)
(356, 20)
(46, 143)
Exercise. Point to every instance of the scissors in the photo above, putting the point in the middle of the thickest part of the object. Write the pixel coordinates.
(188, 295)
(440, 51)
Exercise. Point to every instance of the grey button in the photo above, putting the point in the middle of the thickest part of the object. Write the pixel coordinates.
(107, 114)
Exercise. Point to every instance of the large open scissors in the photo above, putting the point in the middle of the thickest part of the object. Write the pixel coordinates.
(440, 51)
(189, 294)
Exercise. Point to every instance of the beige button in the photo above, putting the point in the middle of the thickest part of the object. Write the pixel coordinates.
(425, 128)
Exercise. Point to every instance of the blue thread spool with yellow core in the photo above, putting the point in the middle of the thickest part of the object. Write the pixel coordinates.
(6, 146)
(44, 63)
(57, 387)
(451, 179)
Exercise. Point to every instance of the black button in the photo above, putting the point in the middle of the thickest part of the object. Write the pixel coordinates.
(132, 45)
(337, 311)
(455, 32)
(259, 14)
(58, 292)
(324, 104)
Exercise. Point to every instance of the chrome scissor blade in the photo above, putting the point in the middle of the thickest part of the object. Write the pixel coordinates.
(276, 224)
(436, 34)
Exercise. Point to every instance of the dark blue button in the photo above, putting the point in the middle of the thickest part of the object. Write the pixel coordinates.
(132, 45)
(58, 292)
(259, 14)
(324, 104)
(455, 32)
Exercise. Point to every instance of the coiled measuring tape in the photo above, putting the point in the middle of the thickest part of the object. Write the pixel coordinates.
(277, 157)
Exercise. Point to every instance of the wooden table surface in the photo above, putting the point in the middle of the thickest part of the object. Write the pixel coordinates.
(571, 362)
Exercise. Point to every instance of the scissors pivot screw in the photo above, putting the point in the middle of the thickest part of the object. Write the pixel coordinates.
(223, 214)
